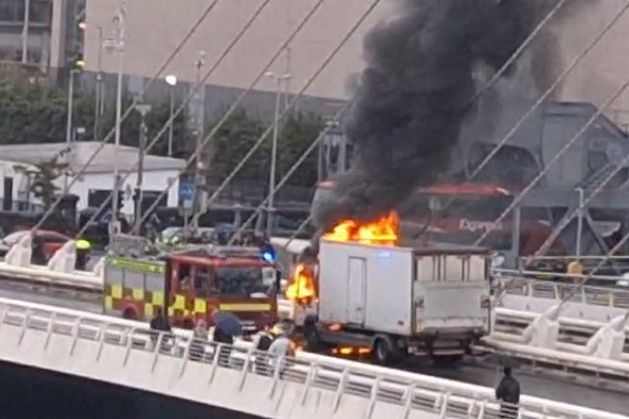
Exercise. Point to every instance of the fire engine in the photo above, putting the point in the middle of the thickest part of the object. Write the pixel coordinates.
(188, 284)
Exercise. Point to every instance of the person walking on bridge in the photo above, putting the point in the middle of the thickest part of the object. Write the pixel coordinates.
(508, 392)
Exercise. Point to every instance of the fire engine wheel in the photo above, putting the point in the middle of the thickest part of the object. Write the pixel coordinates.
(384, 351)
(129, 314)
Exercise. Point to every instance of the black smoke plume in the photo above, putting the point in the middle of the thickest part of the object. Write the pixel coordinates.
(415, 93)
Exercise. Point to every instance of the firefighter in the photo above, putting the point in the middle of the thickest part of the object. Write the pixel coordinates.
(508, 392)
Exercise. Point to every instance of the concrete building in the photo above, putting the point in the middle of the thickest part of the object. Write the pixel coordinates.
(97, 181)
(45, 38)
(155, 27)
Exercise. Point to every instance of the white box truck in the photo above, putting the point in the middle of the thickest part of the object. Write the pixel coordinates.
(432, 301)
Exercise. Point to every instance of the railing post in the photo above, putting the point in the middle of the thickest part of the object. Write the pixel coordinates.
(340, 389)
(75, 335)
(158, 344)
(101, 339)
(276, 374)
(3, 312)
(444, 405)
(481, 409)
(129, 345)
(186, 355)
(408, 403)
(217, 353)
(27, 316)
(309, 378)
(373, 397)
(245, 369)
(49, 330)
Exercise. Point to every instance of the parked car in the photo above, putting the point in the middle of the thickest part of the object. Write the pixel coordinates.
(45, 244)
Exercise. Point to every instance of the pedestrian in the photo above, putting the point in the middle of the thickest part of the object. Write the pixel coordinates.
(199, 340)
(261, 343)
(222, 336)
(159, 324)
(281, 347)
(508, 392)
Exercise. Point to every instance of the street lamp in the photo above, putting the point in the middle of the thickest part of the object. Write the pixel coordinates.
(70, 105)
(279, 78)
(171, 80)
(116, 43)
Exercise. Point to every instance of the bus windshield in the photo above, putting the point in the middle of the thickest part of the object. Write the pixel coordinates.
(240, 281)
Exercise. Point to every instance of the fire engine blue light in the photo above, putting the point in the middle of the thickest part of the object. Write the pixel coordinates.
(268, 256)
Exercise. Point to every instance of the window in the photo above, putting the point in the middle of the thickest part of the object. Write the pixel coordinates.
(184, 277)
(240, 281)
(202, 281)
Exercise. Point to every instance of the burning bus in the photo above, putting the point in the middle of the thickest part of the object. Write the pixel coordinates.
(369, 291)
(461, 213)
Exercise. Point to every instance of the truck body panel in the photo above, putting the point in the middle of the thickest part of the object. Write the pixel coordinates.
(366, 286)
(440, 292)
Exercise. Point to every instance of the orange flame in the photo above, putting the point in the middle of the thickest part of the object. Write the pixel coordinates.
(384, 231)
(302, 286)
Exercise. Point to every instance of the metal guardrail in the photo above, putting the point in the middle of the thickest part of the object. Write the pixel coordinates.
(588, 294)
(412, 392)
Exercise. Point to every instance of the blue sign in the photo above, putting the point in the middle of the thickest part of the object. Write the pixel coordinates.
(187, 190)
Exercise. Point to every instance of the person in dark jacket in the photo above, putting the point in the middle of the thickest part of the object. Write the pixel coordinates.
(220, 336)
(508, 392)
(159, 324)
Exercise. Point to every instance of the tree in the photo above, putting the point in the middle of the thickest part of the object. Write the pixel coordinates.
(43, 183)
(297, 134)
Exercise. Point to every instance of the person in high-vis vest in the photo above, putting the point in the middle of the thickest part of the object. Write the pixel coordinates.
(575, 271)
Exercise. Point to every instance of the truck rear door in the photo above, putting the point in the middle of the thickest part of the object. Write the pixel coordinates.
(451, 293)
(357, 283)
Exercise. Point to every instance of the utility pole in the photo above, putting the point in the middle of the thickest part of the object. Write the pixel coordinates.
(116, 43)
(25, 29)
(171, 80)
(100, 91)
(70, 106)
(270, 216)
(143, 110)
(199, 175)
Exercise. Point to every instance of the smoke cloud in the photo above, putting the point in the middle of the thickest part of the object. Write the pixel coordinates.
(414, 96)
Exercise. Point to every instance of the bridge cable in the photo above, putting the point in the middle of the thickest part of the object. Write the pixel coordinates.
(567, 71)
(289, 173)
(294, 100)
(237, 103)
(183, 105)
(556, 157)
(126, 114)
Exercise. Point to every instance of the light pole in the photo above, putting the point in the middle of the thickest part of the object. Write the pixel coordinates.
(25, 28)
(200, 196)
(171, 80)
(70, 106)
(270, 216)
(116, 43)
(143, 110)
(99, 86)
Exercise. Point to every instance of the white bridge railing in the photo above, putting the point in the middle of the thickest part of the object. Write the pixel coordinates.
(127, 353)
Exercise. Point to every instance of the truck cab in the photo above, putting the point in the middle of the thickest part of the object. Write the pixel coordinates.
(189, 284)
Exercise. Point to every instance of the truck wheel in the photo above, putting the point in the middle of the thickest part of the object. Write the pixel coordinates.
(384, 353)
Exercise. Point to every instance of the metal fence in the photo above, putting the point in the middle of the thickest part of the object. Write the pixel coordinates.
(375, 385)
